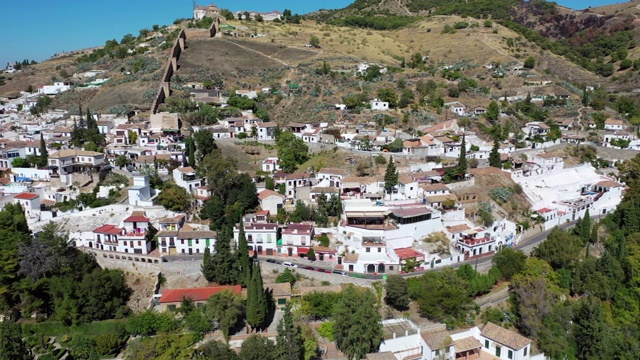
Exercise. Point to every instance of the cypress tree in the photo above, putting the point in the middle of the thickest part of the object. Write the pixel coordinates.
(494, 156)
(289, 345)
(44, 154)
(390, 176)
(243, 257)
(462, 167)
(224, 261)
(207, 266)
(586, 226)
(256, 299)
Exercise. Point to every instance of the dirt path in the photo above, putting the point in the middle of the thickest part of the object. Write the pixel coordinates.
(494, 298)
(255, 51)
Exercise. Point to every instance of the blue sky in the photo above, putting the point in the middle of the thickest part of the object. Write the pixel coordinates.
(36, 29)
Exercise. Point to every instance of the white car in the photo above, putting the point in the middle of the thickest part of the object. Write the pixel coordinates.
(289, 264)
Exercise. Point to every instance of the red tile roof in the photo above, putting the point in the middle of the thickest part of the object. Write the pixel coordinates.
(544, 210)
(136, 218)
(27, 196)
(408, 253)
(107, 229)
(266, 193)
(195, 294)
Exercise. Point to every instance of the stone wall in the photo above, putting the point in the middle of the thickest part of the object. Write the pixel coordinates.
(172, 64)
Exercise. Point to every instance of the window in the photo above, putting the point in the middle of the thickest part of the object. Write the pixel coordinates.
(139, 243)
(379, 249)
(182, 242)
(486, 344)
(183, 251)
(437, 352)
(390, 267)
(197, 242)
(498, 348)
(526, 348)
(368, 249)
(510, 354)
(171, 307)
(282, 301)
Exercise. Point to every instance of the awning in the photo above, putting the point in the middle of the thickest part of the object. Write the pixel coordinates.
(362, 214)
(303, 250)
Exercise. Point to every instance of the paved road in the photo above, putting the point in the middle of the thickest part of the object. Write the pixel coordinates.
(482, 263)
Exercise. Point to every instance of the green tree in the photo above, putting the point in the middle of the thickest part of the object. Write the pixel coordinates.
(560, 249)
(269, 184)
(12, 347)
(592, 330)
(357, 327)
(509, 261)
(397, 293)
(493, 111)
(227, 309)
(103, 294)
(389, 95)
(174, 198)
(215, 350)
(494, 156)
(83, 348)
(390, 176)
(224, 261)
(256, 299)
(441, 296)
(21, 163)
(207, 267)
(292, 151)
(257, 347)
(44, 154)
(243, 257)
(122, 161)
(289, 344)
(462, 167)
(205, 144)
(314, 41)
(530, 62)
(311, 255)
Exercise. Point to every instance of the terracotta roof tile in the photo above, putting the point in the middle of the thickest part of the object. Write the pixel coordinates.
(505, 337)
(196, 294)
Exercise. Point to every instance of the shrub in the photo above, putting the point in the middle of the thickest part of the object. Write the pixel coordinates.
(326, 330)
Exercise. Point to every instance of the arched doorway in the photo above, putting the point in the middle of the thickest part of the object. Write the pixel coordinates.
(90, 244)
(260, 250)
(290, 251)
(381, 268)
(371, 268)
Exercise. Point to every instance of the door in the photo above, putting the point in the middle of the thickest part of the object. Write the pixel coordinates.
(172, 251)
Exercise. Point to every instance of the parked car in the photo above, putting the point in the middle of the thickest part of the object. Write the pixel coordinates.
(339, 272)
(322, 270)
(309, 268)
(272, 261)
(289, 264)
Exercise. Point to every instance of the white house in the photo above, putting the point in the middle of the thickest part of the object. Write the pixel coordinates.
(185, 239)
(613, 124)
(64, 162)
(267, 130)
(186, 178)
(297, 239)
(141, 193)
(271, 200)
(249, 94)
(261, 237)
(29, 201)
(377, 104)
(271, 164)
(457, 108)
(56, 88)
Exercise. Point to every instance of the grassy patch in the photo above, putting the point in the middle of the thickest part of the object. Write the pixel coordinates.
(57, 328)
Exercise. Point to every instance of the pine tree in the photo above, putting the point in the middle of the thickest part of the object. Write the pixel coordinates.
(44, 154)
(289, 344)
(494, 156)
(243, 257)
(461, 169)
(390, 176)
(207, 266)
